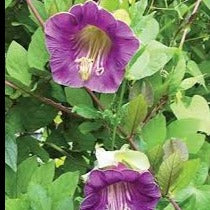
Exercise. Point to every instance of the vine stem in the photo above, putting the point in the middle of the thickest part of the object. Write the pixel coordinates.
(156, 108)
(183, 38)
(62, 151)
(118, 128)
(36, 13)
(118, 108)
(114, 136)
(45, 100)
(94, 97)
(174, 203)
(189, 22)
(151, 5)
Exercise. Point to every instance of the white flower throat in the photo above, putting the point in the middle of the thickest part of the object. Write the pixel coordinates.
(92, 45)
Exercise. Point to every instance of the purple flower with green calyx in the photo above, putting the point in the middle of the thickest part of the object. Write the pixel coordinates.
(89, 48)
(120, 181)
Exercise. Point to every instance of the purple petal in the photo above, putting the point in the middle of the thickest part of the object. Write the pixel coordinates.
(77, 11)
(90, 201)
(89, 48)
(112, 176)
(121, 189)
(58, 30)
(90, 12)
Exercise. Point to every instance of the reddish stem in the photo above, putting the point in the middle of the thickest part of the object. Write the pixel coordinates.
(36, 13)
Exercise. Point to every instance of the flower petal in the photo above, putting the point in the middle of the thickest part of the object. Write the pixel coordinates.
(122, 189)
(96, 180)
(105, 158)
(58, 30)
(90, 201)
(135, 159)
(90, 11)
(69, 46)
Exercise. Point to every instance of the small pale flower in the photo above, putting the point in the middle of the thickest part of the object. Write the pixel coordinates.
(89, 48)
(120, 181)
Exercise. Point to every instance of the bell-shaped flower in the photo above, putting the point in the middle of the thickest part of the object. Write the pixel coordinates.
(89, 48)
(120, 181)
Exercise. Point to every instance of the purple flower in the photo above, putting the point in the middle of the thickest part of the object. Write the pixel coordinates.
(115, 185)
(89, 48)
(120, 188)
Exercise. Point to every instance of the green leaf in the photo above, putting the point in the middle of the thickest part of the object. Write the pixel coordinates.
(201, 175)
(28, 145)
(178, 73)
(204, 153)
(39, 198)
(78, 96)
(77, 163)
(106, 99)
(57, 137)
(63, 5)
(197, 108)
(86, 112)
(169, 172)
(64, 203)
(57, 92)
(79, 1)
(24, 173)
(87, 127)
(10, 148)
(148, 92)
(82, 142)
(207, 3)
(153, 59)
(37, 53)
(181, 9)
(10, 181)
(169, 207)
(29, 114)
(7, 3)
(44, 174)
(9, 91)
(50, 7)
(204, 67)
(190, 168)
(194, 70)
(122, 15)
(17, 204)
(55, 6)
(190, 82)
(155, 156)
(136, 112)
(136, 89)
(186, 131)
(175, 145)
(8, 103)
(64, 185)
(154, 132)
(16, 63)
(41, 10)
(198, 197)
(110, 5)
(137, 10)
(17, 183)
(146, 29)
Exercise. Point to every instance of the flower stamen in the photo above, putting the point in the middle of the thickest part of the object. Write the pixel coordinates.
(93, 46)
(85, 67)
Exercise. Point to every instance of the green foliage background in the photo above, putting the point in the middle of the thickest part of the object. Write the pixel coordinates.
(162, 105)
